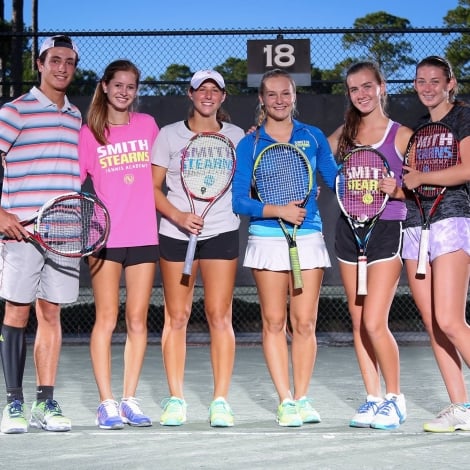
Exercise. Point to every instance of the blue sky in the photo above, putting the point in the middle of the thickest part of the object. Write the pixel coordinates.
(103, 15)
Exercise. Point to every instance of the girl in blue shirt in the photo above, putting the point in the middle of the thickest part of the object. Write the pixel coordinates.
(267, 251)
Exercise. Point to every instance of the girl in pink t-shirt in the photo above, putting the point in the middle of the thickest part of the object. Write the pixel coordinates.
(114, 151)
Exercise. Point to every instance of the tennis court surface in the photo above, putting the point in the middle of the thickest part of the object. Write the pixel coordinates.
(256, 441)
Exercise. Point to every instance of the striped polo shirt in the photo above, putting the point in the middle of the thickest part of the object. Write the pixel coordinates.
(41, 146)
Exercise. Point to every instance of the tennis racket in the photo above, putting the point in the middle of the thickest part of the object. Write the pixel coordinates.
(361, 200)
(207, 168)
(72, 225)
(282, 174)
(432, 147)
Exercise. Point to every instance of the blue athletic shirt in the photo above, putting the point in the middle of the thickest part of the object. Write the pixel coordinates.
(313, 143)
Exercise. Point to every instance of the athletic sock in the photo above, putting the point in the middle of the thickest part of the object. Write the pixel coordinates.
(44, 392)
(15, 394)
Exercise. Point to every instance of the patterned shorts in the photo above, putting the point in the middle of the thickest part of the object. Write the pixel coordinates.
(446, 236)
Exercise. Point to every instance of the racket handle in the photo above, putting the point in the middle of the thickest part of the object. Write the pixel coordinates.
(295, 265)
(423, 251)
(362, 275)
(188, 262)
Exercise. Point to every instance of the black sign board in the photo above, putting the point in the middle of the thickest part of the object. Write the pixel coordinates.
(292, 55)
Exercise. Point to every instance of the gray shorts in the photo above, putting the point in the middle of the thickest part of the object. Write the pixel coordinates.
(28, 272)
(272, 253)
(446, 236)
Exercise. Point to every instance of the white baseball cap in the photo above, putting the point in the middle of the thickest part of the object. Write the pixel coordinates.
(58, 41)
(200, 77)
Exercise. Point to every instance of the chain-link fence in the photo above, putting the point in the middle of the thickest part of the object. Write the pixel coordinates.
(167, 60)
(333, 326)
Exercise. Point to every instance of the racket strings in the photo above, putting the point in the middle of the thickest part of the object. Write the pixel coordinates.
(432, 148)
(358, 185)
(73, 226)
(282, 176)
(208, 166)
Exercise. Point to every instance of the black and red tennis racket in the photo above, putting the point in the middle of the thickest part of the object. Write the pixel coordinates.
(71, 225)
(432, 147)
(207, 168)
(361, 200)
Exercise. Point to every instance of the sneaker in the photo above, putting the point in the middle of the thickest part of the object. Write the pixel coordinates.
(47, 415)
(366, 412)
(391, 412)
(306, 411)
(288, 414)
(107, 415)
(13, 420)
(174, 412)
(450, 419)
(220, 413)
(131, 413)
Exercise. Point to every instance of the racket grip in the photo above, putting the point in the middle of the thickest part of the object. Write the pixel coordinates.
(188, 262)
(423, 251)
(295, 265)
(362, 275)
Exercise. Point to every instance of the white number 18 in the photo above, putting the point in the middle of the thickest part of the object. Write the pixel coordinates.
(281, 56)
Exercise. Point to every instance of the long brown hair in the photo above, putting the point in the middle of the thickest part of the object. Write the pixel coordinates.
(352, 116)
(97, 116)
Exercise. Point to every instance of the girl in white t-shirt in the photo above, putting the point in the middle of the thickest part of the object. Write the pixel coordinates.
(216, 253)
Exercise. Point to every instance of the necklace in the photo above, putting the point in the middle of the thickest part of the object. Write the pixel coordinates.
(120, 123)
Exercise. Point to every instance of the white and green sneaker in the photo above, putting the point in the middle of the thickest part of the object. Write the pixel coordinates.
(13, 420)
(47, 415)
(288, 414)
(452, 418)
(306, 411)
(220, 413)
(174, 412)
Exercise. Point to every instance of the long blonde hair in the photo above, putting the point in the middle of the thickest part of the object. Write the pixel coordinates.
(260, 116)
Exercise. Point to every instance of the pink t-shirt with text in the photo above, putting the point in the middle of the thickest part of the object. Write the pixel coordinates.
(121, 173)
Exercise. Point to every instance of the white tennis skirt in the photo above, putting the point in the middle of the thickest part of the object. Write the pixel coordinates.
(272, 253)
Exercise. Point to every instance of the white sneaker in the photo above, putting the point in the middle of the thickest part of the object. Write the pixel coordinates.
(391, 413)
(452, 418)
(366, 412)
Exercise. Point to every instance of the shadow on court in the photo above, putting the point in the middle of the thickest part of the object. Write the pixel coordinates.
(256, 441)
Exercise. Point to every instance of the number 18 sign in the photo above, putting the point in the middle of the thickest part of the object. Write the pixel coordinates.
(292, 55)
